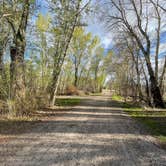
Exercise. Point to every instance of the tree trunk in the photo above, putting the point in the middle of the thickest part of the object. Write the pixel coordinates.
(1, 64)
(17, 77)
(76, 77)
(162, 77)
(3, 77)
(54, 86)
(61, 56)
(54, 92)
(17, 66)
(148, 94)
(155, 90)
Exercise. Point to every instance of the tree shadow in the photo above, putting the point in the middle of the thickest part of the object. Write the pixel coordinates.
(97, 133)
(103, 151)
(85, 118)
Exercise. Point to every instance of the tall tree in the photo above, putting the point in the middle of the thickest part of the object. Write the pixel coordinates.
(81, 46)
(17, 50)
(139, 30)
(43, 23)
(67, 17)
(97, 67)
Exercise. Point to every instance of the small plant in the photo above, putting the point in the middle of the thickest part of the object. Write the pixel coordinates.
(117, 98)
(72, 90)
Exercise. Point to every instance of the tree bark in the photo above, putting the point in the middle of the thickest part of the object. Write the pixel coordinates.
(155, 90)
(1, 63)
(3, 77)
(17, 66)
(17, 77)
(148, 97)
(76, 77)
(162, 77)
(54, 87)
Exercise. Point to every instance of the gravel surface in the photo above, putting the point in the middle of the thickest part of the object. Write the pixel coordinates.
(95, 133)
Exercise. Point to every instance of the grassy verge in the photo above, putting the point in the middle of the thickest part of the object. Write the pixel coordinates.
(18, 125)
(95, 94)
(67, 101)
(117, 98)
(154, 120)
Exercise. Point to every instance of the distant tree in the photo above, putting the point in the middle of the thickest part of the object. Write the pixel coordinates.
(97, 68)
(81, 47)
(43, 23)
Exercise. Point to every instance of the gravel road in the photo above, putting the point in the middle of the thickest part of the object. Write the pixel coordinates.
(94, 133)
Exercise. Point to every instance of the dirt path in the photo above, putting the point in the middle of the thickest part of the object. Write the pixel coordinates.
(94, 133)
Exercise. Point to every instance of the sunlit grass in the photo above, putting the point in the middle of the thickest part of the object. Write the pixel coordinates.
(95, 94)
(153, 119)
(117, 98)
(67, 101)
(162, 139)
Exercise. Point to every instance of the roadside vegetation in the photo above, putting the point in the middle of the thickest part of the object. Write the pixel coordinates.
(47, 50)
(11, 125)
(117, 97)
(153, 119)
(67, 101)
(43, 55)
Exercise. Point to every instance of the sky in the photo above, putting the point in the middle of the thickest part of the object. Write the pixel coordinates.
(106, 38)
(97, 29)
(93, 26)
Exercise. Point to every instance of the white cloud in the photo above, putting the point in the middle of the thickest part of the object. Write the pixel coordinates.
(162, 48)
(106, 41)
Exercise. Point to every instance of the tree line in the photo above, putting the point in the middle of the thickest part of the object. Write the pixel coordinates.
(43, 54)
(138, 27)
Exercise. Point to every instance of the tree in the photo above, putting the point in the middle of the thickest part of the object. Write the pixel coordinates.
(81, 46)
(97, 67)
(5, 35)
(17, 67)
(43, 23)
(67, 17)
(139, 31)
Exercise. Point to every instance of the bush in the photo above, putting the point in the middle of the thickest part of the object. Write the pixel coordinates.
(117, 98)
(3, 107)
(71, 90)
(67, 102)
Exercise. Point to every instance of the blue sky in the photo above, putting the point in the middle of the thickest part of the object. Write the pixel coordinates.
(93, 26)
(97, 29)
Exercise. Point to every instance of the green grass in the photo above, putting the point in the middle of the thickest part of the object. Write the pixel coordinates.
(117, 98)
(156, 126)
(162, 139)
(95, 94)
(154, 120)
(18, 125)
(67, 102)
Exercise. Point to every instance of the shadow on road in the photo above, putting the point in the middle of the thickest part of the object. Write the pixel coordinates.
(88, 117)
(96, 132)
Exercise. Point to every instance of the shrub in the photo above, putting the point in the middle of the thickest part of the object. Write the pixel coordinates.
(71, 90)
